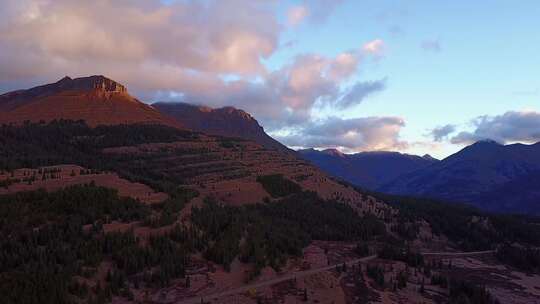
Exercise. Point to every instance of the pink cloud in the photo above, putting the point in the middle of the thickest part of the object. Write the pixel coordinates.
(219, 37)
(375, 47)
(350, 135)
(184, 51)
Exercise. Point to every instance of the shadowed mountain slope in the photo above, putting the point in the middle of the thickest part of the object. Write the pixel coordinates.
(227, 121)
(487, 174)
(366, 169)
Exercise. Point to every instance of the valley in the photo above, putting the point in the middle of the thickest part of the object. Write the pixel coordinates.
(269, 152)
(154, 212)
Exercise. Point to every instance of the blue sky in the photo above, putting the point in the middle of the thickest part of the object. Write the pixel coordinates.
(488, 62)
(411, 76)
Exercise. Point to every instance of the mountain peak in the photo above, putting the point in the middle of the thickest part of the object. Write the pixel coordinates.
(94, 99)
(232, 110)
(225, 121)
(487, 141)
(96, 82)
(480, 147)
(65, 79)
(334, 152)
(429, 157)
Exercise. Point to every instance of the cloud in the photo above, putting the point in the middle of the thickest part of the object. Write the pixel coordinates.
(441, 133)
(206, 52)
(67, 37)
(182, 49)
(309, 79)
(286, 96)
(512, 126)
(431, 45)
(349, 135)
(344, 65)
(360, 91)
(289, 94)
(297, 14)
(375, 47)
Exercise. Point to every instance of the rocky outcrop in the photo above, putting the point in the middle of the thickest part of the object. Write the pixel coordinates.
(97, 83)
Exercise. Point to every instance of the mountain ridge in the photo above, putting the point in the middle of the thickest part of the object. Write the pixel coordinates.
(475, 174)
(226, 121)
(96, 99)
(365, 169)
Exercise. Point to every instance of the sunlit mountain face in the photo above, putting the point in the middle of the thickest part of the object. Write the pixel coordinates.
(95, 99)
(240, 151)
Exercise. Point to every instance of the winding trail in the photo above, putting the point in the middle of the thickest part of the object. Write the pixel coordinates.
(458, 254)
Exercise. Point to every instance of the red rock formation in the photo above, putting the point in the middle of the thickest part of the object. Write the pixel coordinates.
(95, 99)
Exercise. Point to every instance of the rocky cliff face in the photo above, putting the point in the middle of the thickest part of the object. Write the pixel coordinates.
(97, 83)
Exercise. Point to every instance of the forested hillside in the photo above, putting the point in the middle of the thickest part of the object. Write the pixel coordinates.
(57, 245)
(86, 244)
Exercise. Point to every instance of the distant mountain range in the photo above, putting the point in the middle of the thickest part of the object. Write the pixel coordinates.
(486, 174)
(369, 170)
(227, 121)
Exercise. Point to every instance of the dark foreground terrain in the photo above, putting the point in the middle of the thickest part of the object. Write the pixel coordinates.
(88, 243)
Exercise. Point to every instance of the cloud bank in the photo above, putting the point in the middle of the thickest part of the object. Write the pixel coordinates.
(360, 91)
(512, 126)
(441, 133)
(206, 52)
(350, 135)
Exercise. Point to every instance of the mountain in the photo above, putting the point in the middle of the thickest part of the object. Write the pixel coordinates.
(487, 174)
(366, 169)
(95, 99)
(227, 121)
(141, 212)
(223, 154)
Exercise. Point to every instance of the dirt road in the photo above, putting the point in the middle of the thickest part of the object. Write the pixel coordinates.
(458, 254)
(297, 275)
(302, 274)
